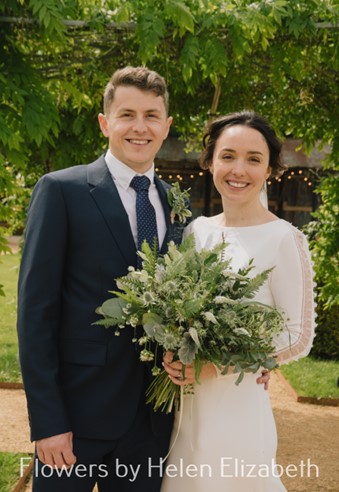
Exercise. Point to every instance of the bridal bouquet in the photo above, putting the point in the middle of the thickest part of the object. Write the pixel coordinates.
(192, 304)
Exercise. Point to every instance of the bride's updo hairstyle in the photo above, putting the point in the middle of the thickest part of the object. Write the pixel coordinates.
(244, 118)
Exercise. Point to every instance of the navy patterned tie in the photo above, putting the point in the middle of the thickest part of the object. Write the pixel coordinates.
(146, 218)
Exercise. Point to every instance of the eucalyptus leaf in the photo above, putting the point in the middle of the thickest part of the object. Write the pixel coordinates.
(114, 308)
(187, 350)
(270, 363)
(153, 326)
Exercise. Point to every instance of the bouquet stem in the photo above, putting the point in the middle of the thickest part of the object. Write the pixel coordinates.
(162, 393)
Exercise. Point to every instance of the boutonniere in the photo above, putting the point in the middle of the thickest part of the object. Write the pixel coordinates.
(178, 201)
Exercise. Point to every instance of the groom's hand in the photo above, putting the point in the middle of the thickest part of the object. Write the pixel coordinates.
(56, 451)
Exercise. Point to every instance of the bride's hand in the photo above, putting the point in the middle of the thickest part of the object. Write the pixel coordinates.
(174, 370)
(264, 378)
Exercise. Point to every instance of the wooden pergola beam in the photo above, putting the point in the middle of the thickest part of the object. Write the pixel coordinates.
(123, 25)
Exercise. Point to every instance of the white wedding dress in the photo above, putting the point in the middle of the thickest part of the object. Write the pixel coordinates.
(227, 440)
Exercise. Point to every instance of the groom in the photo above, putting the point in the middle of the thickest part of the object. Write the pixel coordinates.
(85, 386)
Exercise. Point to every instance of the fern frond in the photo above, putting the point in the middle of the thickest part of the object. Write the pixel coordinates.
(106, 322)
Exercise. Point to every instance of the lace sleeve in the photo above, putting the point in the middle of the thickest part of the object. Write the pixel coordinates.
(293, 291)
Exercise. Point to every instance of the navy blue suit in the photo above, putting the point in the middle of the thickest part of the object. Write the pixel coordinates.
(79, 377)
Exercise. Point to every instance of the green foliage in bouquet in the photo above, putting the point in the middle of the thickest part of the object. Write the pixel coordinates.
(192, 303)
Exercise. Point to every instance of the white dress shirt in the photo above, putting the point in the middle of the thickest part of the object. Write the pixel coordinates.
(122, 176)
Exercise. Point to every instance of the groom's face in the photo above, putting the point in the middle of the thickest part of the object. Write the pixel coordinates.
(136, 126)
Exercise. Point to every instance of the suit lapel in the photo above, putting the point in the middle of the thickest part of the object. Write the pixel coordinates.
(107, 199)
(162, 188)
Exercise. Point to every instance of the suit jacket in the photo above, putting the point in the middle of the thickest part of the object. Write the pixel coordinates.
(79, 377)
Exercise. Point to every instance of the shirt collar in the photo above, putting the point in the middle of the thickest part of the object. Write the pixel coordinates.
(122, 173)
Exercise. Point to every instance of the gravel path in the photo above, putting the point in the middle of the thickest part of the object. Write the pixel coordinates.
(306, 432)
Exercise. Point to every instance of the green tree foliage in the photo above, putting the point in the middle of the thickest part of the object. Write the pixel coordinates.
(324, 241)
(326, 343)
(323, 235)
(279, 57)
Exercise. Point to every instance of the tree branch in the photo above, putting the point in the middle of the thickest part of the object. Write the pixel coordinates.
(68, 23)
(216, 98)
(123, 25)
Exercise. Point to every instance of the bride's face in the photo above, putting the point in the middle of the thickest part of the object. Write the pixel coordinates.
(240, 164)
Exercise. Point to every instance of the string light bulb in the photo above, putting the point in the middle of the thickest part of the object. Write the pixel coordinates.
(190, 174)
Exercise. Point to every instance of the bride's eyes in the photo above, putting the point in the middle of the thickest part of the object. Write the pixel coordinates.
(227, 157)
(251, 159)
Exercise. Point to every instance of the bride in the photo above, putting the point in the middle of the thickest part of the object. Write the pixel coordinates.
(226, 440)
